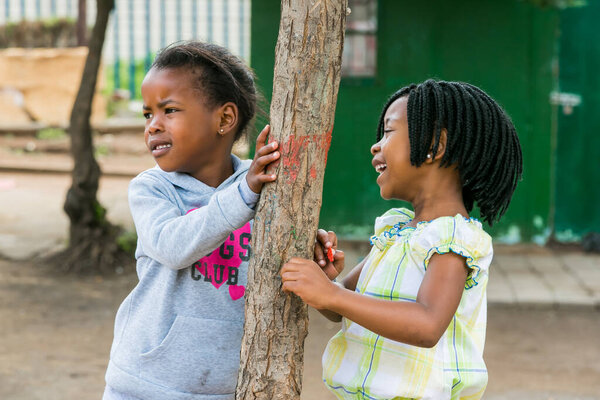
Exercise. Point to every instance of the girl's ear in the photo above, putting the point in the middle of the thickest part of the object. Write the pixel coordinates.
(228, 118)
(441, 150)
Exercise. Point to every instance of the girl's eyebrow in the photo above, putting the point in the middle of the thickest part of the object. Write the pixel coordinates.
(162, 103)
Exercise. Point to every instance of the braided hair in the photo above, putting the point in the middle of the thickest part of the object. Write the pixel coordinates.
(219, 75)
(481, 141)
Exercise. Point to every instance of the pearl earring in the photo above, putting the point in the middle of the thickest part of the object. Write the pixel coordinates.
(428, 155)
(221, 130)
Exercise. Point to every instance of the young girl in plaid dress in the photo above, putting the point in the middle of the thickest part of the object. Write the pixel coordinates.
(414, 310)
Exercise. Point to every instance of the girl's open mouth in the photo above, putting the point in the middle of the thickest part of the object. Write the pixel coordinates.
(380, 168)
(160, 149)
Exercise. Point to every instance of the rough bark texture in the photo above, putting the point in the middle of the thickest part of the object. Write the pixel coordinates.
(305, 86)
(92, 239)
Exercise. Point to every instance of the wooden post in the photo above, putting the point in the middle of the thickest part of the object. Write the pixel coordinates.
(306, 81)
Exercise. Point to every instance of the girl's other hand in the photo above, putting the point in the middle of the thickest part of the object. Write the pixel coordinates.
(307, 280)
(265, 156)
(327, 256)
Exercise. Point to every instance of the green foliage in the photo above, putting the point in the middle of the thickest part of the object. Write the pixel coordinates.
(99, 213)
(127, 241)
(51, 134)
(53, 32)
(101, 150)
(54, 22)
(125, 78)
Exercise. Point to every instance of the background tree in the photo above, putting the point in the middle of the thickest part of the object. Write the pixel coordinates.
(81, 23)
(306, 80)
(92, 239)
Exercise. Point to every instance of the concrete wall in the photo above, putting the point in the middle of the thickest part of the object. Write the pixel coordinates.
(40, 85)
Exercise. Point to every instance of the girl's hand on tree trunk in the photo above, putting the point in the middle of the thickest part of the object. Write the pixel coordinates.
(265, 156)
(306, 279)
(327, 256)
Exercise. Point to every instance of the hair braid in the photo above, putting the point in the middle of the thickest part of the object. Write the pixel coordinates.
(481, 140)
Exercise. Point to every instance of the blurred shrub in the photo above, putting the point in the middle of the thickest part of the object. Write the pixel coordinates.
(127, 241)
(51, 134)
(45, 33)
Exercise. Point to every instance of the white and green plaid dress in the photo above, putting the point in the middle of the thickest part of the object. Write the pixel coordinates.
(359, 364)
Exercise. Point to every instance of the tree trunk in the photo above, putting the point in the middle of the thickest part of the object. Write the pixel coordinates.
(306, 80)
(92, 240)
(81, 23)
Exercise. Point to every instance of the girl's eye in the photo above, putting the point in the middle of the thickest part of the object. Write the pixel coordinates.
(170, 110)
(386, 132)
(147, 115)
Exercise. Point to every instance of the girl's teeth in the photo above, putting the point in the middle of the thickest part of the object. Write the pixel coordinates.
(162, 146)
(381, 167)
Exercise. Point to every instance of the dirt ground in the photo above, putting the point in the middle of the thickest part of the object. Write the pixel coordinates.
(56, 330)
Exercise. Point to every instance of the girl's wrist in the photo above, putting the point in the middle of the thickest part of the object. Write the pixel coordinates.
(338, 290)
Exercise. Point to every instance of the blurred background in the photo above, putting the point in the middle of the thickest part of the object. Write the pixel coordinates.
(538, 58)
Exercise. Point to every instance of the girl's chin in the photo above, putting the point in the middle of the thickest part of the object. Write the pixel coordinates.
(384, 194)
(165, 167)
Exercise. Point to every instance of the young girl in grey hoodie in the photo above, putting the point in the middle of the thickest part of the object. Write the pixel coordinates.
(178, 333)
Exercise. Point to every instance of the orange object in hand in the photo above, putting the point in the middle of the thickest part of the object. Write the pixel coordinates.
(330, 254)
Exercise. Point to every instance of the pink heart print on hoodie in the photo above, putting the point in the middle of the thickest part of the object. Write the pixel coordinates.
(221, 266)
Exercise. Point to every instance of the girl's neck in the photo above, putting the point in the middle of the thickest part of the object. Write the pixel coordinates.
(439, 199)
(443, 208)
(216, 173)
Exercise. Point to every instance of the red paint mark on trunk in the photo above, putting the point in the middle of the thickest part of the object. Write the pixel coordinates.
(295, 146)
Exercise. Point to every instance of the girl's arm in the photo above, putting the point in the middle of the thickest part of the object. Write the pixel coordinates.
(348, 283)
(421, 323)
(177, 241)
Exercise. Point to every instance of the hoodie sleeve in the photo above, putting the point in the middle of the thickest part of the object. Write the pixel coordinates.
(175, 240)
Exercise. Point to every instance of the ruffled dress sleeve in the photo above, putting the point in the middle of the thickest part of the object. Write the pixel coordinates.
(460, 235)
(388, 225)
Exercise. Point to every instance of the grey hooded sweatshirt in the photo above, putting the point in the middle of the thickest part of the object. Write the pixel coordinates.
(178, 333)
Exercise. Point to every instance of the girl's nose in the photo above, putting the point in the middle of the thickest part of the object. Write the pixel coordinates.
(376, 148)
(154, 125)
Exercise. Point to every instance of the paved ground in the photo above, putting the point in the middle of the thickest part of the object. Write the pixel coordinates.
(525, 275)
(55, 333)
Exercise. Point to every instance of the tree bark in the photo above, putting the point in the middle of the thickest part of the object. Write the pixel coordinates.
(82, 23)
(92, 240)
(306, 80)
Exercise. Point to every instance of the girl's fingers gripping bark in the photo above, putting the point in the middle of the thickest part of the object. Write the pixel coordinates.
(263, 148)
(265, 155)
(306, 279)
(261, 140)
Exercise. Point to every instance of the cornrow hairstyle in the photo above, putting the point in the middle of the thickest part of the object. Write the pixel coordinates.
(218, 74)
(481, 140)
